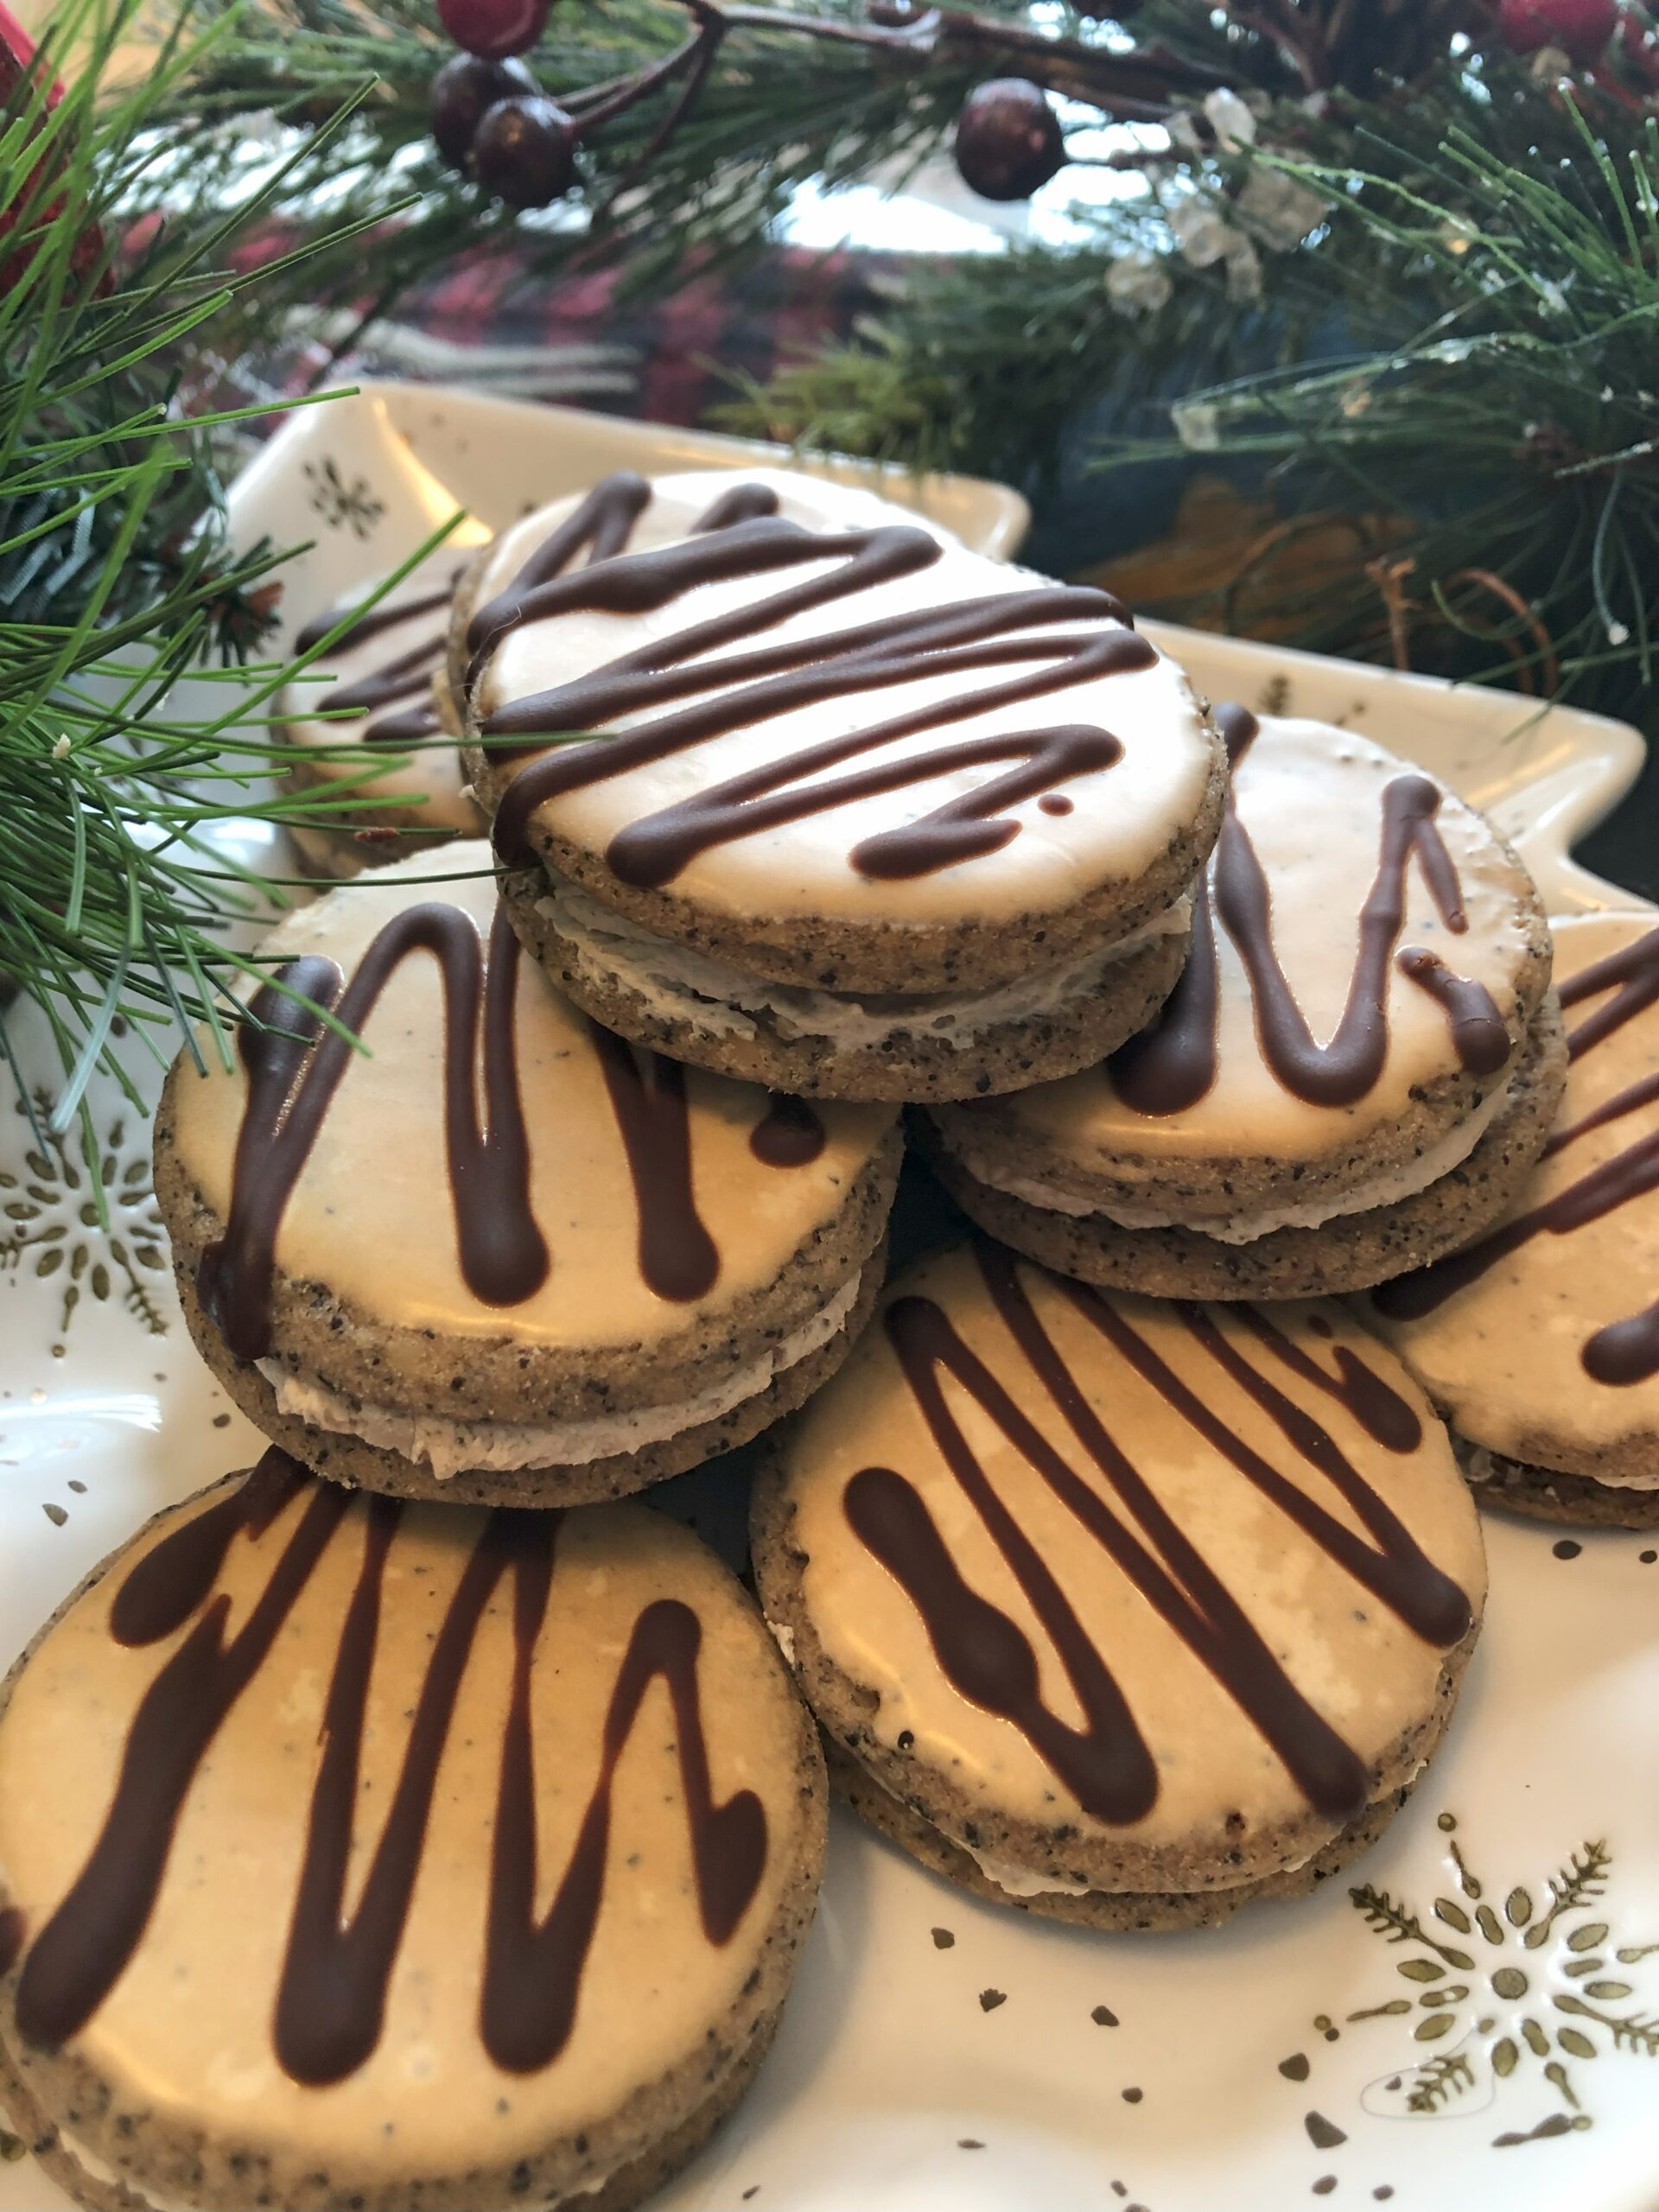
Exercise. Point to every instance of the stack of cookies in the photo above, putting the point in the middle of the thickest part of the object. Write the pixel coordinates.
(1130, 1576)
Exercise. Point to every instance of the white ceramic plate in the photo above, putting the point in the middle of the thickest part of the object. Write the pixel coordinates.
(939, 2056)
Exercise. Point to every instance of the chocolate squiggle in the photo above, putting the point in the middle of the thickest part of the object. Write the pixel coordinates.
(337, 1968)
(293, 1070)
(1625, 1351)
(1169, 1067)
(986, 1655)
(768, 682)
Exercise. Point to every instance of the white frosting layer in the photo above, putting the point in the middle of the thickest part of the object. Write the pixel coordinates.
(718, 999)
(1385, 1189)
(1122, 820)
(450, 1447)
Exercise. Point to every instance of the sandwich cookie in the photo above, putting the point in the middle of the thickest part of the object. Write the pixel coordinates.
(381, 692)
(861, 814)
(500, 1255)
(1541, 1343)
(358, 1856)
(1122, 1612)
(1355, 1074)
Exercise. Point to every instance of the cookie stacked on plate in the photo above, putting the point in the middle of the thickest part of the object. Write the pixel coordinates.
(539, 1175)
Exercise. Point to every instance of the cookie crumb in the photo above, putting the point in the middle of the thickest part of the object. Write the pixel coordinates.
(1648, 1558)
(943, 1939)
(221, 1420)
(1131, 2096)
(1382, 2192)
(969, 2143)
(1325, 2185)
(11, 2146)
(754, 2189)
(1103, 2017)
(1295, 2067)
(990, 1998)
(1567, 1549)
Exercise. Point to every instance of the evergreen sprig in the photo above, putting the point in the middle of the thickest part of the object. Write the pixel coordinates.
(117, 579)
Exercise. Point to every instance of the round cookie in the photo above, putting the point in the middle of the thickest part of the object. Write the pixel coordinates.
(1540, 1343)
(1355, 1074)
(358, 1856)
(382, 689)
(866, 814)
(1126, 1613)
(500, 1256)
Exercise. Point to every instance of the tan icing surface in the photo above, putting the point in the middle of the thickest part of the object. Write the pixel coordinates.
(434, 770)
(1123, 819)
(371, 1218)
(1503, 1353)
(1311, 798)
(186, 2028)
(1369, 1676)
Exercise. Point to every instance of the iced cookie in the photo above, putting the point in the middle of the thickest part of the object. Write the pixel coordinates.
(358, 1856)
(502, 1257)
(862, 814)
(1541, 1343)
(1355, 1074)
(1126, 1613)
(381, 691)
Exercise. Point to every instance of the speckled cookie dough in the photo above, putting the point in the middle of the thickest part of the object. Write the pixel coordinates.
(382, 689)
(1358, 1066)
(599, 1271)
(1141, 1612)
(1540, 1342)
(889, 771)
(597, 1852)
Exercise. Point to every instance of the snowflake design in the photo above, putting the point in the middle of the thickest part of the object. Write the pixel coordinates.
(1540, 1992)
(339, 503)
(49, 1225)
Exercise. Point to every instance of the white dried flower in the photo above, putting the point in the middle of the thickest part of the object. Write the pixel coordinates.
(61, 750)
(1199, 230)
(1198, 425)
(1230, 118)
(1618, 635)
(1137, 283)
(1281, 208)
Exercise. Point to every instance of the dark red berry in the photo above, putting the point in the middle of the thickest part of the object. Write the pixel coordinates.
(461, 91)
(1008, 140)
(1580, 28)
(524, 150)
(494, 29)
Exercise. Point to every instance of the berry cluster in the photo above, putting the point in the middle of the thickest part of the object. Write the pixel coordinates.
(489, 118)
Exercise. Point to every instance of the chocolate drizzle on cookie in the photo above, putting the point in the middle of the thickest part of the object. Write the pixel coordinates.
(408, 674)
(294, 1069)
(338, 1966)
(789, 1135)
(764, 683)
(1170, 1066)
(1625, 1352)
(1107, 1763)
(678, 1256)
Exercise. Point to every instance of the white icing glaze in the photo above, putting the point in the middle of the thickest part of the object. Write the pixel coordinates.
(432, 770)
(447, 1447)
(371, 1217)
(1370, 1676)
(1123, 817)
(718, 999)
(1503, 1355)
(1311, 798)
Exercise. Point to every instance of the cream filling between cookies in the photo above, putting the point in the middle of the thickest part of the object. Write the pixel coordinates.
(716, 1000)
(1387, 1188)
(450, 1447)
(1482, 1464)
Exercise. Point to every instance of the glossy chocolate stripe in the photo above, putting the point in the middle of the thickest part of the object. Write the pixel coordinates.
(414, 724)
(743, 503)
(789, 1134)
(376, 622)
(13, 1929)
(84, 1947)
(774, 681)
(1645, 1091)
(158, 1595)
(410, 674)
(1624, 1353)
(1385, 1416)
(1635, 969)
(1169, 1067)
(601, 527)
(291, 1084)
(679, 1259)
(533, 1969)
